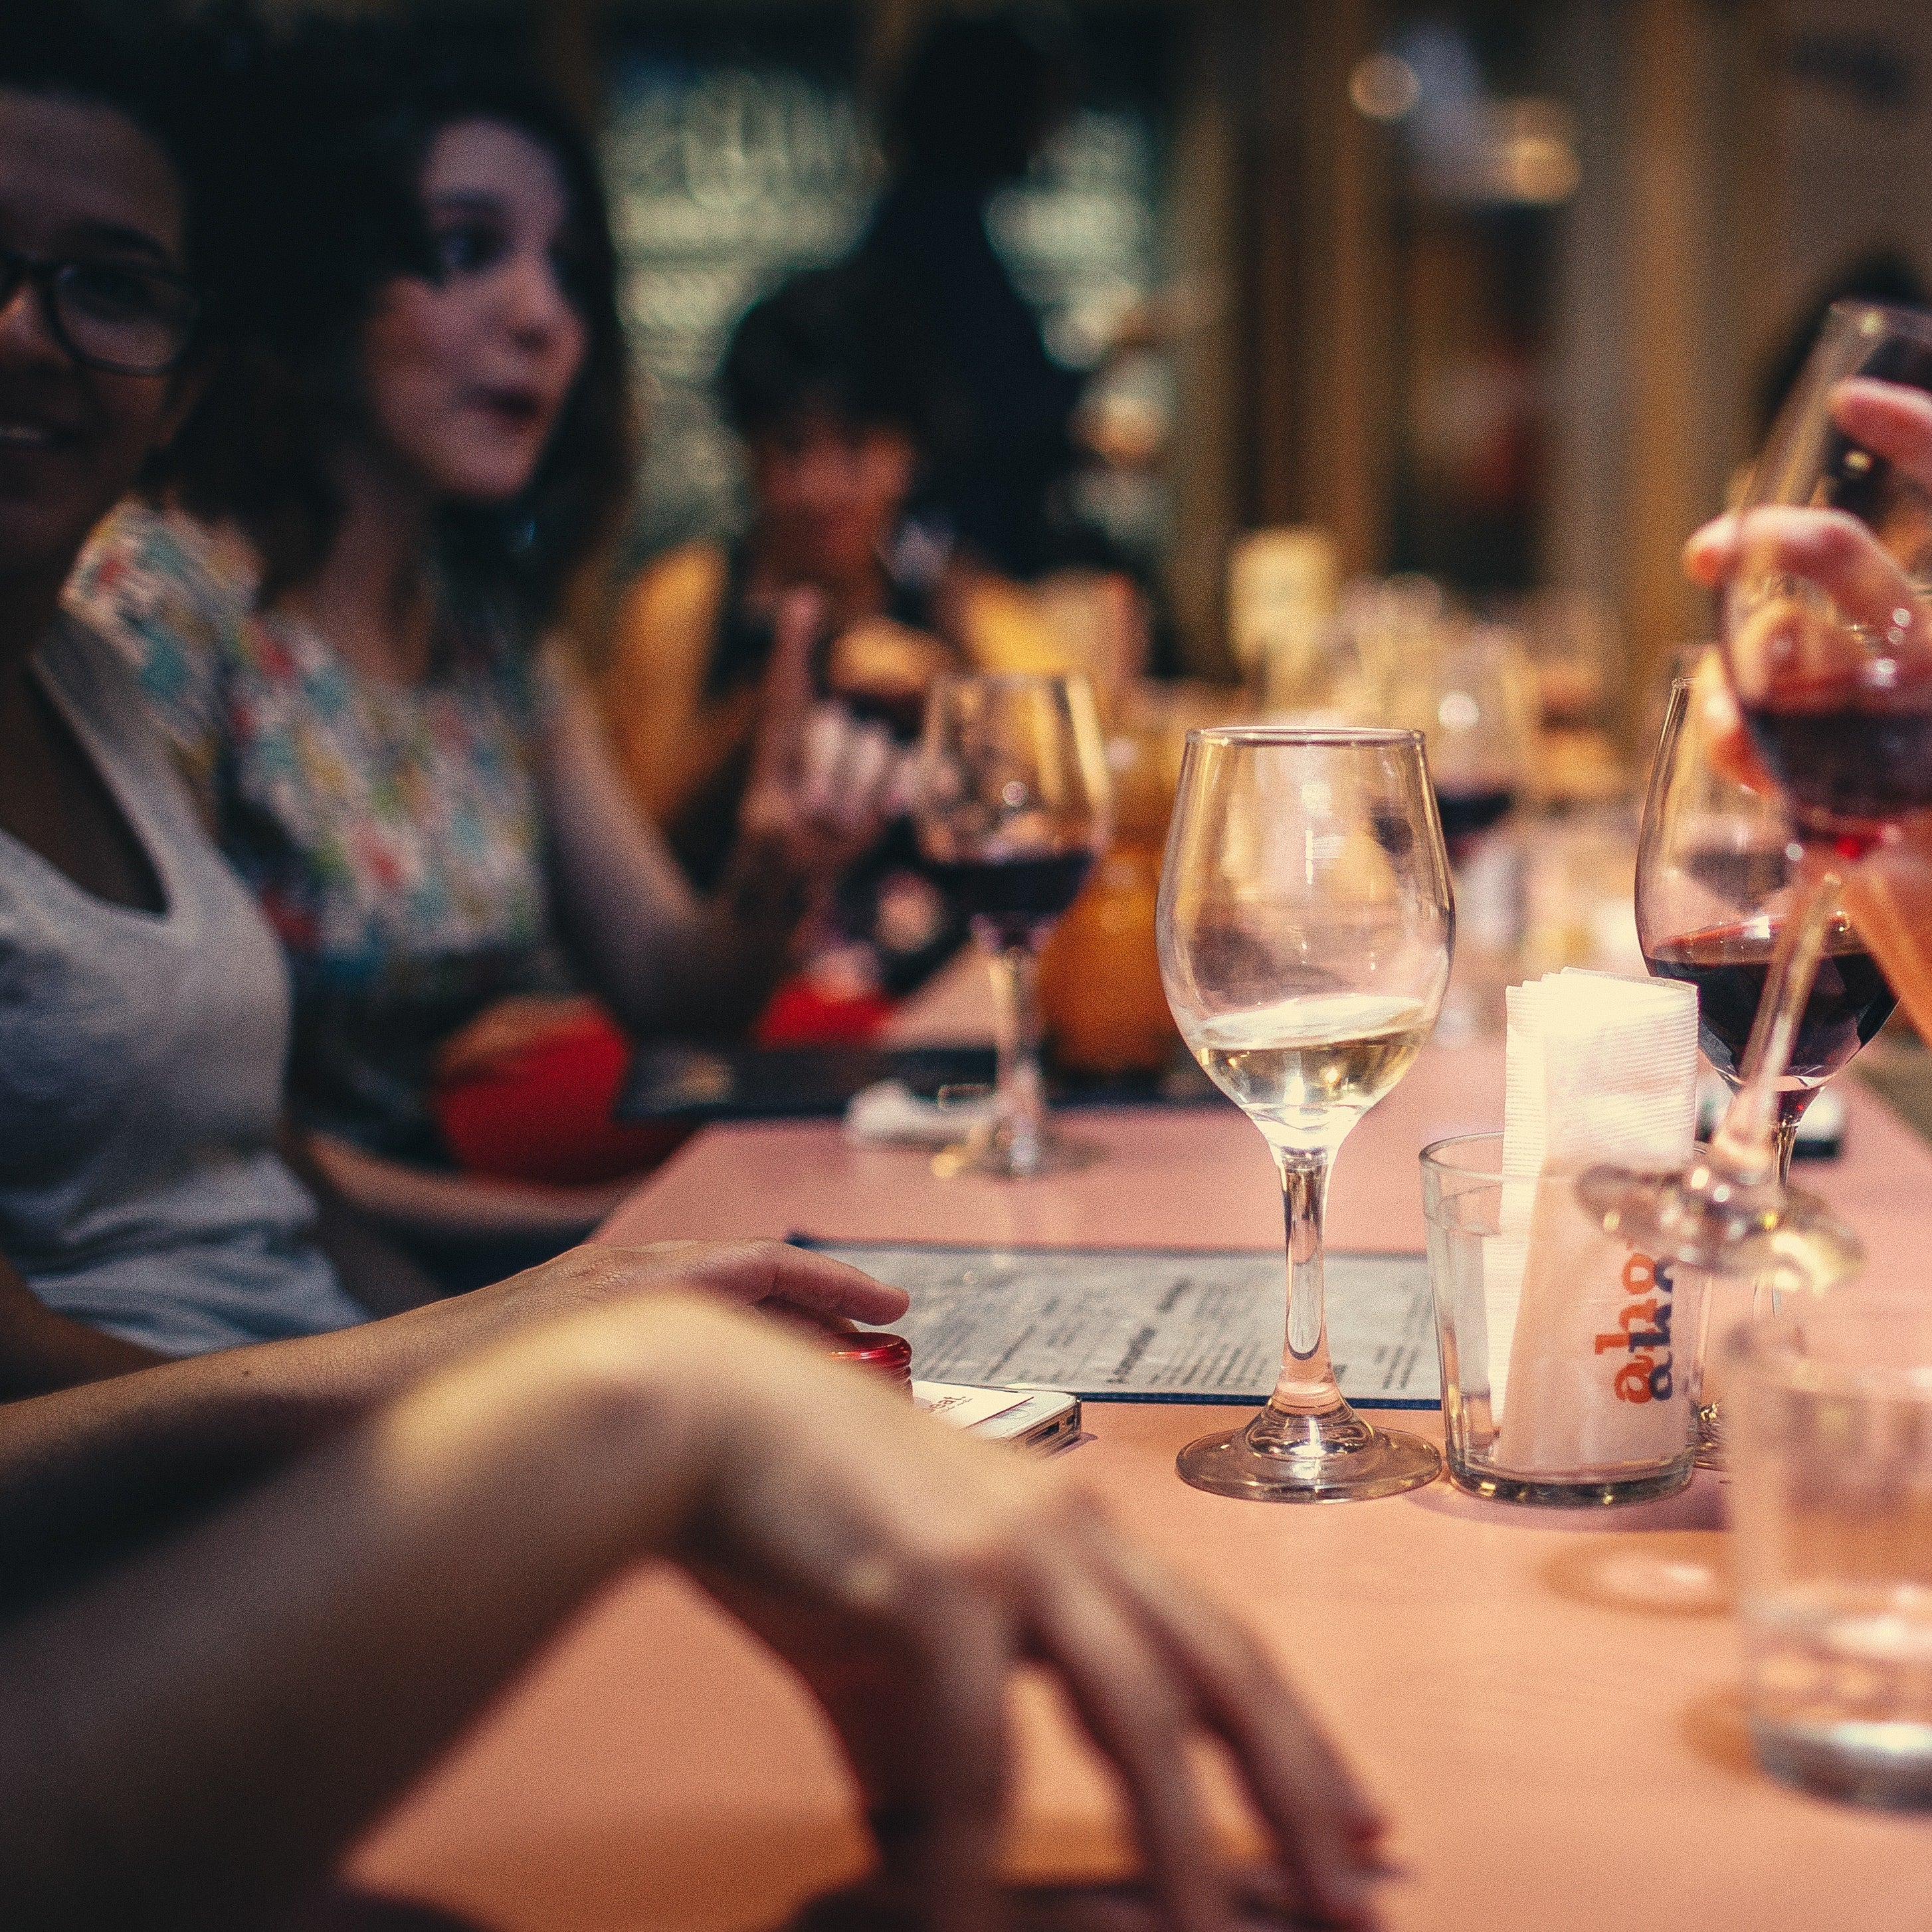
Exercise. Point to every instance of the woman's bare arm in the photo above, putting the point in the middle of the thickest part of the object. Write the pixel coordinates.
(194, 1740)
(662, 958)
(431, 1204)
(84, 1469)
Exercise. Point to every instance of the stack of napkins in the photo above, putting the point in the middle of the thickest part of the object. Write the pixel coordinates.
(890, 1114)
(1589, 1339)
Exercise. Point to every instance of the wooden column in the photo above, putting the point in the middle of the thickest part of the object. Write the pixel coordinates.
(1345, 291)
(1692, 332)
(1208, 458)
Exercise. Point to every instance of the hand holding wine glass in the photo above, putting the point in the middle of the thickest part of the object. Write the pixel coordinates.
(1824, 571)
(1305, 925)
(1013, 808)
(1889, 892)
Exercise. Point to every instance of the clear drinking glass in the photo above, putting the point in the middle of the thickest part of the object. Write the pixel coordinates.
(1305, 925)
(1827, 644)
(1484, 1347)
(1013, 808)
(1831, 1501)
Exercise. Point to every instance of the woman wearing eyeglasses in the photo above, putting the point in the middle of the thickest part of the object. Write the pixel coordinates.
(387, 1524)
(338, 607)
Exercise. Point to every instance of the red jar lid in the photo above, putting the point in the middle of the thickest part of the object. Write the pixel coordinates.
(886, 1354)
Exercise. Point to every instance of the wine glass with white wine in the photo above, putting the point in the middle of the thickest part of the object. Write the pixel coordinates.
(1305, 923)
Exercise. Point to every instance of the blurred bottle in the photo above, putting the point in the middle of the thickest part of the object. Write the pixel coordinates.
(1100, 993)
(1281, 596)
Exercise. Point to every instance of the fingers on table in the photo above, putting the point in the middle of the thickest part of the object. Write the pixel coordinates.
(952, 1838)
(1325, 1825)
(1130, 1703)
(777, 1271)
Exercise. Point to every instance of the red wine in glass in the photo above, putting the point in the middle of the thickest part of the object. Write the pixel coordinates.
(1012, 902)
(1856, 764)
(1467, 815)
(1849, 1002)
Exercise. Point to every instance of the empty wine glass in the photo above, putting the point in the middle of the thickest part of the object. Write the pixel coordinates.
(1825, 642)
(1012, 809)
(1305, 926)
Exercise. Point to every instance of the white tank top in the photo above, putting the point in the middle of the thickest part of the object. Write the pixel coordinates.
(141, 1062)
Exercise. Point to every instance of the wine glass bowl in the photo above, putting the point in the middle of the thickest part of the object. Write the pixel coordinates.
(1828, 626)
(1305, 925)
(1012, 809)
(1828, 648)
(1716, 881)
(1469, 693)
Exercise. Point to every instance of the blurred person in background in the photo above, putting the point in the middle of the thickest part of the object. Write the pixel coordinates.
(229, 1637)
(145, 1210)
(831, 383)
(978, 99)
(337, 595)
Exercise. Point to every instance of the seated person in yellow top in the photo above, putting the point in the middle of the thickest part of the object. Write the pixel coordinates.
(827, 382)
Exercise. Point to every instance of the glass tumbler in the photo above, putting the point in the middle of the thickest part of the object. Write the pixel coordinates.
(1831, 1504)
(1634, 1371)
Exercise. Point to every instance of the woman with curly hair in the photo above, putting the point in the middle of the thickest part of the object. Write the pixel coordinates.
(338, 600)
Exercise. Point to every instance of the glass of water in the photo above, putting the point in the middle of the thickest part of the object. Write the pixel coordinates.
(1831, 1500)
(1304, 927)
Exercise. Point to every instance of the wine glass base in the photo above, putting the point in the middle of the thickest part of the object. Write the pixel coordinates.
(994, 1150)
(1700, 1219)
(1384, 1463)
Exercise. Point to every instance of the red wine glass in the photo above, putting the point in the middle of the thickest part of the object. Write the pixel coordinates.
(1013, 808)
(1715, 888)
(1826, 646)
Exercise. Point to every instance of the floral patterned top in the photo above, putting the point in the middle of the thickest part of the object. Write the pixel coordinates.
(393, 834)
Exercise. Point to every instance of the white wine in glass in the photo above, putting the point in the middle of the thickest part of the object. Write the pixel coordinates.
(1305, 923)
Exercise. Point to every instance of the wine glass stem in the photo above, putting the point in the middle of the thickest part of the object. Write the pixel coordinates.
(1744, 1149)
(1307, 1385)
(1019, 1092)
(1791, 1106)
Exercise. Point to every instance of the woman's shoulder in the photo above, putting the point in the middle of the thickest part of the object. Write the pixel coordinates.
(153, 544)
(152, 579)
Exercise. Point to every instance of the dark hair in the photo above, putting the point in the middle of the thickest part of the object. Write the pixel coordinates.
(980, 94)
(167, 80)
(340, 118)
(838, 339)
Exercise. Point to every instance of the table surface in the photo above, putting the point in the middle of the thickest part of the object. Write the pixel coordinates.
(1546, 1703)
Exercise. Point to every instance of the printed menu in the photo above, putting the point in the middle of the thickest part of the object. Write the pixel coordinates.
(1151, 1324)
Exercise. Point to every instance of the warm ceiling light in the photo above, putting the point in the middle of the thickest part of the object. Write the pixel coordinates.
(1384, 87)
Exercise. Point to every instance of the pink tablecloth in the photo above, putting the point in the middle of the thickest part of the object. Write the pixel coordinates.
(1546, 1703)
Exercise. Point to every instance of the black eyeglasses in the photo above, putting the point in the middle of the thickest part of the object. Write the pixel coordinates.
(110, 316)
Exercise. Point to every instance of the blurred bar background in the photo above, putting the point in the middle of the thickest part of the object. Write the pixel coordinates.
(1487, 290)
